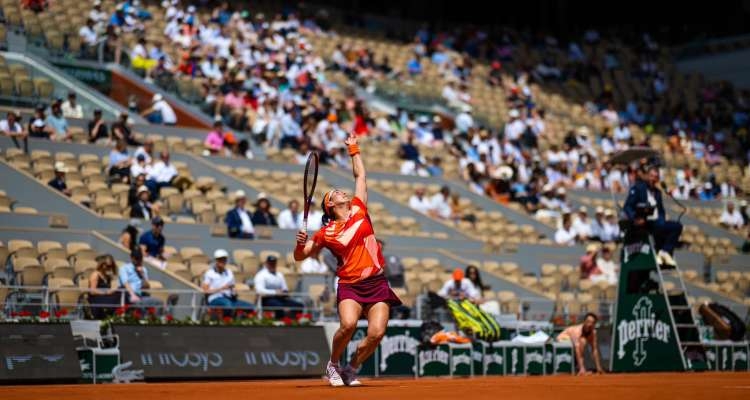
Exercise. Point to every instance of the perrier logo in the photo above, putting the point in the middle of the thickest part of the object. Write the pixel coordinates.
(640, 330)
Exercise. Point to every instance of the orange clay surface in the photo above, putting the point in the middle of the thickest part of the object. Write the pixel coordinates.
(662, 386)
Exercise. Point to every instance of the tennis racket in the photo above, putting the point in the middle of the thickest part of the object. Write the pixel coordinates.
(311, 178)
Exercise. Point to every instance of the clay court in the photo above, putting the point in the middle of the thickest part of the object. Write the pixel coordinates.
(685, 386)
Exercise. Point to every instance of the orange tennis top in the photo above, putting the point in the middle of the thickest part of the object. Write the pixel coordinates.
(354, 245)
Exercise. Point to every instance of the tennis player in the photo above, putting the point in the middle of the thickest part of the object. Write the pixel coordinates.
(362, 288)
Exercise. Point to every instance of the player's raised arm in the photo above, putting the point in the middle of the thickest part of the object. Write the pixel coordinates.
(358, 168)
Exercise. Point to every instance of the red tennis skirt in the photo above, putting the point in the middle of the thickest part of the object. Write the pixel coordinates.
(371, 290)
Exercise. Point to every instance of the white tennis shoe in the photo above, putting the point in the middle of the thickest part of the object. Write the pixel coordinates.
(333, 375)
(349, 375)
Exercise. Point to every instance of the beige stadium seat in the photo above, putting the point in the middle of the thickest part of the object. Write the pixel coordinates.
(244, 293)
(187, 252)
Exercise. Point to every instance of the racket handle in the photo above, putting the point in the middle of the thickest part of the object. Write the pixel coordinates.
(304, 225)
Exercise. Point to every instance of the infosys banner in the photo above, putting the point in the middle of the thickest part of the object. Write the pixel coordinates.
(37, 352)
(198, 352)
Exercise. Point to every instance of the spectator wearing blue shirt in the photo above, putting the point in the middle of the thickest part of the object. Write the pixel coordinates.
(413, 66)
(409, 151)
(134, 279)
(119, 161)
(58, 123)
(118, 18)
(707, 194)
(58, 182)
(152, 243)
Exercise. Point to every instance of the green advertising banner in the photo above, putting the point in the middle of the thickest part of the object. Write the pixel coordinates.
(102, 365)
(368, 367)
(494, 359)
(534, 359)
(563, 359)
(461, 359)
(644, 338)
(514, 360)
(98, 78)
(398, 351)
(435, 361)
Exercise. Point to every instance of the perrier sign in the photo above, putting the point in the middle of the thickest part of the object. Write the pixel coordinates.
(644, 338)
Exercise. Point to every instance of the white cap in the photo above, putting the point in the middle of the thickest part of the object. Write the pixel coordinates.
(60, 167)
(599, 210)
(503, 172)
(467, 108)
(262, 195)
(142, 189)
(743, 203)
(708, 185)
(221, 253)
(191, 9)
(547, 188)
(608, 212)
(561, 190)
(514, 113)
(38, 123)
(157, 97)
(582, 209)
(583, 130)
(240, 194)
(97, 3)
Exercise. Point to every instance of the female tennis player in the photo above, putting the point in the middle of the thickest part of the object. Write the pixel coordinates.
(362, 289)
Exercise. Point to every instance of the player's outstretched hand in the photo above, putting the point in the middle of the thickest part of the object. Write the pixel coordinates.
(301, 237)
(352, 139)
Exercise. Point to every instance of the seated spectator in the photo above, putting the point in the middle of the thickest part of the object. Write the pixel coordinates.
(146, 150)
(419, 202)
(440, 205)
(70, 108)
(58, 182)
(473, 275)
(707, 194)
(394, 269)
(121, 130)
(160, 112)
(262, 214)
(459, 288)
(129, 238)
(566, 235)
(141, 209)
(38, 127)
(135, 184)
(140, 167)
(134, 279)
(98, 127)
(239, 221)
(218, 284)
(119, 162)
(163, 174)
(103, 298)
(582, 225)
(731, 217)
(313, 265)
(611, 232)
(152, 243)
(414, 66)
(587, 265)
(597, 225)
(87, 34)
(606, 265)
(11, 127)
(139, 57)
(314, 217)
(59, 125)
(291, 218)
(271, 286)
(214, 142)
(743, 212)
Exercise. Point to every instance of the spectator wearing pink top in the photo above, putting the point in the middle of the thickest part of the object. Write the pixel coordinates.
(234, 105)
(214, 142)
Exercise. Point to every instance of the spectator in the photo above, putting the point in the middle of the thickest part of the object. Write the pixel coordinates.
(731, 217)
(38, 127)
(98, 127)
(134, 279)
(152, 243)
(218, 285)
(58, 124)
(271, 286)
(439, 204)
(163, 174)
(129, 238)
(135, 184)
(141, 209)
(587, 265)
(743, 212)
(291, 218)
(238, 220)
(70, 108)
(597, 225)
(160, 111)
(103, 298)
(611, 231)
(419, 202)
(514, 128)
(121, 130)
(566, 235)
(262, 214)
(214, 142)
(98, 16)
(707, 194)
(140, 167)
(582, 225)
(414, 66)
(394, 269)
(606, 265)
(58, 182)
(11, 127)
(146, 150)
(119, 162)
(314, 217)
(313, 265)
(459, 288)
(88, 35)
(139, 58)
(473, 275)
(464, 120)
